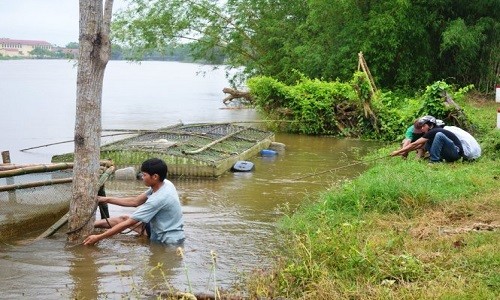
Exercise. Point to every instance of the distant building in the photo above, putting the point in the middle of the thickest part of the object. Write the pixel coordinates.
(68, 52)
(10, 47)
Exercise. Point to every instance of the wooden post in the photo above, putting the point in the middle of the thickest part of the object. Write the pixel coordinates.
(9, 180)
(6, 157)
(364, 67)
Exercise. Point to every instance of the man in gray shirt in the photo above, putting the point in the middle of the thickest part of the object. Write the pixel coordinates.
(159, 215)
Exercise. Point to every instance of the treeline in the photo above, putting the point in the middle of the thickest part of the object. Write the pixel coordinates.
(407, 44)
(180, 52)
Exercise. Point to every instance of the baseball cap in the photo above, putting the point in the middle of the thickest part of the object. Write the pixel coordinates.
(417, 127)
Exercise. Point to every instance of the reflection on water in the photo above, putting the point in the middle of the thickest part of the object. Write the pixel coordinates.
(233, 217)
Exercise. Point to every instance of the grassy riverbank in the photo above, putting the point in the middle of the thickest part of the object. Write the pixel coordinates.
(402, 230)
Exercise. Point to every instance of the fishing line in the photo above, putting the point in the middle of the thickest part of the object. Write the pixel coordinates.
(341, 167)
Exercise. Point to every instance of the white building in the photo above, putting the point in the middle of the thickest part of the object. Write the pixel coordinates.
(10, 47)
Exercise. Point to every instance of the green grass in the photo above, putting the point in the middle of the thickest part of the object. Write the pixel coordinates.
(402, 230)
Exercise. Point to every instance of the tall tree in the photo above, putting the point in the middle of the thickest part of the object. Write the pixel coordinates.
(95, 49)
(407, 43)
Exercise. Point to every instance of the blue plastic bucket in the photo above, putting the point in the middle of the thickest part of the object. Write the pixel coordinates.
(268, 152)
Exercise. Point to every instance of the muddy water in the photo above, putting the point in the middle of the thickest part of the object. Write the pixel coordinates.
(231, 219)
(229, 222)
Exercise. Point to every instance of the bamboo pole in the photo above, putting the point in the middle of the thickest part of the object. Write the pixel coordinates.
(54, 228)
(8, 167)
(139, 131)
(364, 66)
(212, 143)
(165, 130)
(36, 169)
(20, 186)
(122, 132)
(5, 167)
(68, 141)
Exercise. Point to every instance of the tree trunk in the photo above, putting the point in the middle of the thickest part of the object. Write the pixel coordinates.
(93, 56)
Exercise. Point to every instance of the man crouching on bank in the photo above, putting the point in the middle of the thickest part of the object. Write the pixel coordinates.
(159, 215)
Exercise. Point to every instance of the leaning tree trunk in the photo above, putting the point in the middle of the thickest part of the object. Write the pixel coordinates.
(93, 56)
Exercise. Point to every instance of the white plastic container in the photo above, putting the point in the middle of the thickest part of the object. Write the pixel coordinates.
(498, 118)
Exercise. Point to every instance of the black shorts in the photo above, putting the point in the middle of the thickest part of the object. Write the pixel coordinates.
(147, 227)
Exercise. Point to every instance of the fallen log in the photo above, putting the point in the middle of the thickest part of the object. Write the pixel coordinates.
(236, 94)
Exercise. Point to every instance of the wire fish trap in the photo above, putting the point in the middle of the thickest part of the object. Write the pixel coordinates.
(31, 201)
(32, 197)
(190, 150)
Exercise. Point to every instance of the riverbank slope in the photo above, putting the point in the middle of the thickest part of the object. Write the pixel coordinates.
(402, 230)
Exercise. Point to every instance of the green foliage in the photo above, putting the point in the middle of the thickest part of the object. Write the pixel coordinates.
(433, 100)
(490, 145)
(42, 53)
(395, 113)
(337, 108)
(408, 44)
(311, 104)
(73, 45)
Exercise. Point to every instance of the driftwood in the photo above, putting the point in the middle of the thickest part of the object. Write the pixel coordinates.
(199, 296)
(346, 115)
(236, 94)
(448, 101)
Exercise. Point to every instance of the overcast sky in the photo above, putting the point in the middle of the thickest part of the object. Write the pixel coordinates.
(54, 21)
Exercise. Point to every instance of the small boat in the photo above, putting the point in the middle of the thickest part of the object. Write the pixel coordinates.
(33, 196)
(190, 150)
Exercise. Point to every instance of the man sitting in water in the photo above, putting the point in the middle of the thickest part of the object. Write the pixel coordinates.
(159, 215)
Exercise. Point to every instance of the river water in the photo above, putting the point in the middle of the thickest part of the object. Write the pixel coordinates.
(229, 222)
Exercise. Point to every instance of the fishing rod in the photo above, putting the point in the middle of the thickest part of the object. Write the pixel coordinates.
(142, 131)
(70, 141)
(341, 167)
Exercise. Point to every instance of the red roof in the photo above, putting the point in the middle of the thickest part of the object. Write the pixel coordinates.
(24, 42)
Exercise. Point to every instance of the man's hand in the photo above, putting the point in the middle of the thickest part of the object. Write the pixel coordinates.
(102, 199)
(91, 240)
(396, 152)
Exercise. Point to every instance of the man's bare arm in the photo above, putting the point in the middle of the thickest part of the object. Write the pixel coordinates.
(92, 239)
(412, 146)
(126, 201)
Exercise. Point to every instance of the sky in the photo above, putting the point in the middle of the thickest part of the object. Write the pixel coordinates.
(53, 21)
